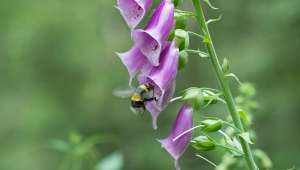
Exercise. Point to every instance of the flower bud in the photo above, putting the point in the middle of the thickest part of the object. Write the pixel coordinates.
(181, 39)
(247, 89)
(180, 21)
(198, 97)
(212, 125)
(203, 143)
(183, 59)
(209, 99)
(194, 97)
(225, 66)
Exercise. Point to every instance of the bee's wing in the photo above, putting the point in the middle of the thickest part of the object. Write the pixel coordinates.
(123, 93)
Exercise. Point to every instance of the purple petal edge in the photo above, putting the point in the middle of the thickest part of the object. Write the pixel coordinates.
(134, 61)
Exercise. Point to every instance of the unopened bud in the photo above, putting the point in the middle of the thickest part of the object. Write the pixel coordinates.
(203, 143)
(209, 99)
(182, 39)
(183, 59)
(180, 20)
(194, 97)
(212, 125)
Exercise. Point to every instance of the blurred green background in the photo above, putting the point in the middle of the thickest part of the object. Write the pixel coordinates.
(58, 69)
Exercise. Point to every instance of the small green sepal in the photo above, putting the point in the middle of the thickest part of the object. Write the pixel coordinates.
(225, 66)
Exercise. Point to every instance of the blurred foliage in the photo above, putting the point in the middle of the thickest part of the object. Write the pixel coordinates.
(82, 153)
(58, 69)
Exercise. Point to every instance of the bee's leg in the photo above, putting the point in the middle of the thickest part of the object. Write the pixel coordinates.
(150, 99)
(144, 108)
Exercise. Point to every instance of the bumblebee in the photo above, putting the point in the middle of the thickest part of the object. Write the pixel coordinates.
(138, 96)
(143, 93)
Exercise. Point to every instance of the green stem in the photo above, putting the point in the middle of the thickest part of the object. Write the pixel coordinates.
(223, 83)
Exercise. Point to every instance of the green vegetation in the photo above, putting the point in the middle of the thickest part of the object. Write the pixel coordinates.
(58, 70)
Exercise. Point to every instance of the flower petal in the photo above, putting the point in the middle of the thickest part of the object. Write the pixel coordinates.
(162, 78)
(133, 11)
(151, 40)
(183, 122)
(163, 75)
(134, 61)
(155, 107)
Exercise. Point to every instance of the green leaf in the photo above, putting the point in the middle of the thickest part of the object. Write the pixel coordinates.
(59, 145)
(246, 137)
(113, 161)
(292, 168)
(75, 138)
(214, 20)
(210, 5)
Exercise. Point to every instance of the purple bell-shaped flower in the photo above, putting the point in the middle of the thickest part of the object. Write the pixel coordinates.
(133, 11)
(162, 78)
(183, 122)
(151, 40)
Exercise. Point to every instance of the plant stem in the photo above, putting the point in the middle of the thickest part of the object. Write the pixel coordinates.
(223, 83)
